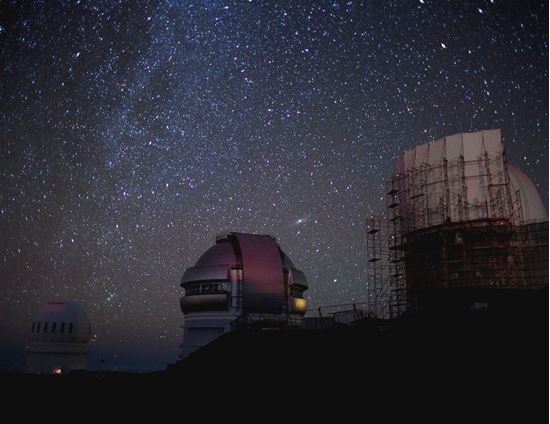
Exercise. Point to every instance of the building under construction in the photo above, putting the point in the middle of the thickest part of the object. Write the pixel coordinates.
(459, 223)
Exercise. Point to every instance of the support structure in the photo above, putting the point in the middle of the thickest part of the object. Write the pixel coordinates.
(455, 219)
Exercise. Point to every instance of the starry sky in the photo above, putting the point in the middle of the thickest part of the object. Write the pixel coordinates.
(134, 132)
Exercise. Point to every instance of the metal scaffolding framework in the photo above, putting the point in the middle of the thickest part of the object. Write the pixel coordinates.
(455, 222)
(377, 273)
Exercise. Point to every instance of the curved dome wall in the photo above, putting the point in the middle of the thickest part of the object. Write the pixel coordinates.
(533, 208)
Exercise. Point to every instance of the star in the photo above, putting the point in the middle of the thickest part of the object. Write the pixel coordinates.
(135, 132)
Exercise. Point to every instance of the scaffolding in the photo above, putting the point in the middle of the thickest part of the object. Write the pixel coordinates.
(386, 277)
(377, 256)
(397, 288)
(452, 220)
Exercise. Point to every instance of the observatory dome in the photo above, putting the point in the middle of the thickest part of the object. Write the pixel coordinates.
(58, 338)
(242, 274)
(459, 219)
(61, 321)
(265, 269)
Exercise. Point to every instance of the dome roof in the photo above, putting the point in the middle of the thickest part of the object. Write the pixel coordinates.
(481, 157)
(222, 253)
(60, 321)
(265, 269)
(532, 206)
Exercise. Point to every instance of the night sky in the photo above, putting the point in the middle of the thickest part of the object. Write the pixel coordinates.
(133, 132)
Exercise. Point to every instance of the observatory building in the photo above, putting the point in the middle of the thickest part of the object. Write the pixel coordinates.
(459, 223)
(243, 277)
(57, 341)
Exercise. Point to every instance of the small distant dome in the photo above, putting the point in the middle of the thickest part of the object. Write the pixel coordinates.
(58, 339)
(60, 321)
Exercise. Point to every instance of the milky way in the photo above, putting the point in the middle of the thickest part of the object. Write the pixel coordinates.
(134, 132)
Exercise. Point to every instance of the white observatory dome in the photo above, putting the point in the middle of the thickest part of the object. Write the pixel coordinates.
(58, 338)
(61, 322)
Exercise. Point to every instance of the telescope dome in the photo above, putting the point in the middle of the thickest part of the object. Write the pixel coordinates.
(241, 276)
(58, 338)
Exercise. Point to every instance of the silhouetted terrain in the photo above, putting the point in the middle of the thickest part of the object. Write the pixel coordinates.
(483, 361)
